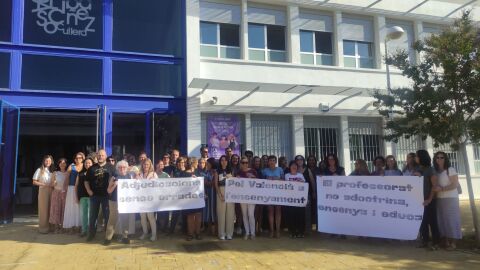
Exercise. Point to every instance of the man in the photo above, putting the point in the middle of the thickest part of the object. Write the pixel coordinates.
(98, 177)
(166, 162)
(204, 152)
(174, 157)
(141, 158)
(229, 153)
(249, 155)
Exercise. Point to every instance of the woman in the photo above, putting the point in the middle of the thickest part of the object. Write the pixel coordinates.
(257, 166)
(391, 168)
(179, 172)
(43, 179)
(283, 163)
(114, 216)
(159, 170)
(448, 207)
(59, 194)
(264, 162)
(235, 166)
(361, 168)
(133, 170)
(333, 166)
(310, 174)
(210, 210)
(411, 166)
(162, 216)
(147, 172)
(379, 166)
(194, 216)
(248, 210)
(83, 196)
(225, 211)
(274, 211)
(429, 220)
(201, 171)
(71, 219)
(191, 165)
(296, 215)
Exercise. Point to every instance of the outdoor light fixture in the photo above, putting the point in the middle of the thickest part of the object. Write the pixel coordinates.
(214, 100)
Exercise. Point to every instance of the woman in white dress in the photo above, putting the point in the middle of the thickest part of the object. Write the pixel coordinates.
(71, 219)
(43, 179)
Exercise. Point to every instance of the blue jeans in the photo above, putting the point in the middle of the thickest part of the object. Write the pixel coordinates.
(95, 203)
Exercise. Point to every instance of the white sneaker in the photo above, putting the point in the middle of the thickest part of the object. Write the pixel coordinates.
(229, 238)
(153, 238)
(221, 237)
(143, 236)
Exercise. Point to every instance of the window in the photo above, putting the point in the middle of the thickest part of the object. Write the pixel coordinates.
(357, 54)
(271, 135)
(219, 40)
(148, 26)
(64, 23)
(6, 20)
(5, 69)
(316, 48)
(321, 137)
(266, 42)
(365, 142)
(68, 74)
(138, 78)
(476, 158)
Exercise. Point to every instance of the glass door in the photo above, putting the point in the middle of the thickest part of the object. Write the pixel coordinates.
(163, 133)
(9, 127)
(101, 137)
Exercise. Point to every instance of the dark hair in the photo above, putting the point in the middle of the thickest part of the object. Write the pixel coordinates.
(395, 164)
(111, 157)
(424, 158)
(281, 160)
(264, 156)
(212, 162)
(60, 161)
(220, 162)
(131, 159)
(314, 158)
(291, 163)
(272, 157)
(203, 148)
(378, 158)
(249, 152)
(334, 158)
(446, 158)
(299, 157)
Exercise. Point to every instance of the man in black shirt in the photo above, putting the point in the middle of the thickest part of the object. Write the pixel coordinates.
(96, 185)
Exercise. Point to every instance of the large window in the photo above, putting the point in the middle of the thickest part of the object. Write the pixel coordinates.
(266, 42)
(316, 48)
(5, 20)
(64, 23)
(271, 135)
(148, 26)
(146, 79)
(4, 69)
(357, 54)
(365, 141)
(52, 73)
(321, 137)
(219, 40)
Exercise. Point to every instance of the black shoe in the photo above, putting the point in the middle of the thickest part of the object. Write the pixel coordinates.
(107, 242)
(90, 238)
(125, 241)
(83, 234)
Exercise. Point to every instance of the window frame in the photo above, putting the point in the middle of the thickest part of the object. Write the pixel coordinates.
(357, 56)
(266, 51)
(315, 54)
(219, 46)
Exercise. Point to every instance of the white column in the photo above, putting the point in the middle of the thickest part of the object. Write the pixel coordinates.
(193, 71)
(298, 137)
(345, 143)
(248, 132)
(418, 35)
(244, 30)
(471, 159)
(293, 34)
(429, 146)
(337, 38)
(380, 30)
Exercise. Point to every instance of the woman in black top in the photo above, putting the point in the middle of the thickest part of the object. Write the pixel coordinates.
(83, 197)
(225, 211)
(333, 166)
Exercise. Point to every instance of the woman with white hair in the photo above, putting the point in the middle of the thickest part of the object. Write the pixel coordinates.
(114, 216)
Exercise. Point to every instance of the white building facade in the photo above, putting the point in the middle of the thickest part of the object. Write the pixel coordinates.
(298, 75)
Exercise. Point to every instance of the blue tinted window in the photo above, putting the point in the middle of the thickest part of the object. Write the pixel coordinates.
(61, 73)
(306, 41)
(256, 36)
(148, 26)
(364, 49)
(349, 47)
(147, 79)
(74, 23)
(208, 33)
(4, 69)
(5, 20)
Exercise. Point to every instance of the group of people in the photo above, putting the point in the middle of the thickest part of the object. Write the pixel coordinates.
(77, 197)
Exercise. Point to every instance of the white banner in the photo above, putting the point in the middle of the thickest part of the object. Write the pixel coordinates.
(374, 206)
(269, 192)
(165, 194)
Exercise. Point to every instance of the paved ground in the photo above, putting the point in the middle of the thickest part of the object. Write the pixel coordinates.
(21, 247)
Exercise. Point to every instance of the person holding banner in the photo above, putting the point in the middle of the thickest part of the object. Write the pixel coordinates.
(114, 216)
(225, 211)
(179, 172)
(210, 210)
(429, 220)
(248, 210)
(411, 166)
(274, 211)
(448, 207)
(296, 215)
(361, 168)
(162, 217)
(147, 172)
(333, 166)
(379, 166)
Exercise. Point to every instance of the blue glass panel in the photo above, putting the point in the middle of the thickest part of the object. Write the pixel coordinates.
(67, 74)
(148, 26)
(276, 37)
(147, 79)
(74, 23)
(364, 49)
(349, 47)
(4, 69)
(5, 20)
(256, 36)
(208, 33)
(306, 41)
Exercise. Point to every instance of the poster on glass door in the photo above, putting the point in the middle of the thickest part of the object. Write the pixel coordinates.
(223, 131)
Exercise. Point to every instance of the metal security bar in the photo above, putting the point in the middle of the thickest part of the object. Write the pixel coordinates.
(321, 136)
(455, 157)
(476, 158)
(271, 135)
(405, 146)
(365, 141)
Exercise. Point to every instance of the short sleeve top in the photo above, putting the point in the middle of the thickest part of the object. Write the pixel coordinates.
(43, 177)
(273, 174)
(298, 177)
(444, 180)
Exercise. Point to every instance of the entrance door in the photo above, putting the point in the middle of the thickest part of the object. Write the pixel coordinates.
(163, 133)
(9, 126)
